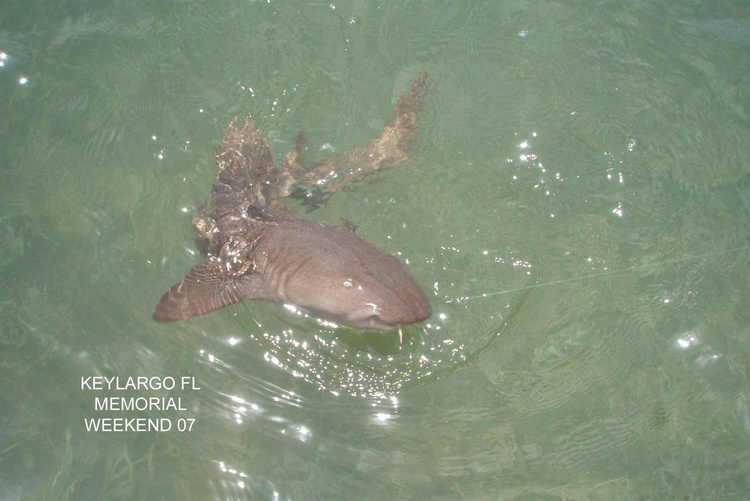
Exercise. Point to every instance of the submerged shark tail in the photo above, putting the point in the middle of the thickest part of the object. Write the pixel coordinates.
(390, 148)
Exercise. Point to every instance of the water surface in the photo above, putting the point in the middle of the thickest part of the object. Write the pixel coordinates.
(575, 205)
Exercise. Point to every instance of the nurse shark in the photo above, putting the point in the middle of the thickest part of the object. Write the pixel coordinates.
(255, 248)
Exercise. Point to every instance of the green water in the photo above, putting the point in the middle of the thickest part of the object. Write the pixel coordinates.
(576, 206)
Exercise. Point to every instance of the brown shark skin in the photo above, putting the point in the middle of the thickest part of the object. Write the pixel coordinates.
(256, 249)
(385, 151)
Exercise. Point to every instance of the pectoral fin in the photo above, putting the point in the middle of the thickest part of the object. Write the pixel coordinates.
(207, 287)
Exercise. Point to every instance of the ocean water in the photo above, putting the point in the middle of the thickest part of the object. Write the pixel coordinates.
(576, 206)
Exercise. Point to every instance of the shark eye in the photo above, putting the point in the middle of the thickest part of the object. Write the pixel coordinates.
(348, 283)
